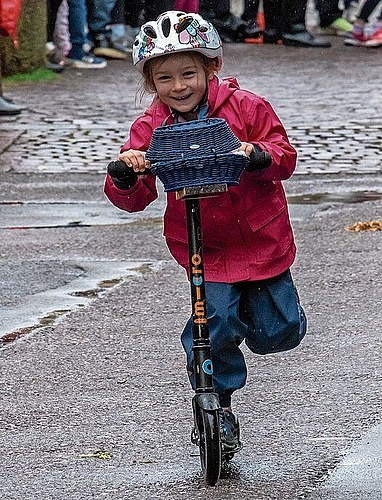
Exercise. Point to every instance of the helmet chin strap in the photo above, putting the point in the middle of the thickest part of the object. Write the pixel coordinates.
(199, 112)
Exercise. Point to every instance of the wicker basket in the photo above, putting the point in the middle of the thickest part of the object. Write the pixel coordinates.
(196, 153)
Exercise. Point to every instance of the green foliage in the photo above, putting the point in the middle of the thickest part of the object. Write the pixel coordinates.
(37, 75)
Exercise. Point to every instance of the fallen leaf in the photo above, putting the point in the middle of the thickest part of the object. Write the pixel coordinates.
(373, 225)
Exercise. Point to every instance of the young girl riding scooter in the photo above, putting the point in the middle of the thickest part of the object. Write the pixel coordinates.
(248, 242)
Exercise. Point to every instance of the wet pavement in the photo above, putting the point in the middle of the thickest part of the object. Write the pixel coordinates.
(92, 304)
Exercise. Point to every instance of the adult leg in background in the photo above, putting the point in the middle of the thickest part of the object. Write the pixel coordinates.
(230, 27)
(154, 8)
(295, 32)
(52, 7)
(249, 15)
(331, 20)
(77, 24)
(77, 28)
(273, 17)
(106, 44)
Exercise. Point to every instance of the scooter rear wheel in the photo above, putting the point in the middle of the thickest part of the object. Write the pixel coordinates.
(210, 446)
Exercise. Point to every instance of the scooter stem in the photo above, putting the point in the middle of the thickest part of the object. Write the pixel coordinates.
(200, 330)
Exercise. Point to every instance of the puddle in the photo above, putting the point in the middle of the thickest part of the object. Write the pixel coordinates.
(49, 306)
(51, 214)
(47, 320)
(110, 283)
(74, 214)
(321, 198)
(304, 206)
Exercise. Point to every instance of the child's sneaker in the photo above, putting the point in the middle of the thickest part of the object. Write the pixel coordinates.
(89, 61)
(375, 39)
(229, 432)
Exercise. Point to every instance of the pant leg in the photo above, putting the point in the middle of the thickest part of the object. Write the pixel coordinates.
(294, 13)
(133, 12)
(154, 8)
(220, 9)
(226, 334)
(328, 11)
(99, 16)
(77, 27)
(267, 314)
(52, 7)
(367, 9)
(117, 14)
(187, 5)
(251, 8)
(272, 310)
(273, 15)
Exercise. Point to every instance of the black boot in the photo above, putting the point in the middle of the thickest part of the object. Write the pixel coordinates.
(271, 35)
(252, 29)
(230, 28)
(298, 36)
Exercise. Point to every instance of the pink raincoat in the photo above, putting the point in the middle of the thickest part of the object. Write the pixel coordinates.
(247, 233)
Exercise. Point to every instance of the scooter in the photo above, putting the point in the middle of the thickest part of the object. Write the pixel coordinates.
(192, 178)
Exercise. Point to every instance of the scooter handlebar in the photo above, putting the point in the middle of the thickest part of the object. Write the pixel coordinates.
(120, 170)
(258, 160)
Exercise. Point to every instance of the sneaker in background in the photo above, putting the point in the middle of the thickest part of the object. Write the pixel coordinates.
(55, 59)
(339, 27)
(252, 30)
(130, 33)
(89, 61)
(375, 38)
(111, 49)
(356, 37)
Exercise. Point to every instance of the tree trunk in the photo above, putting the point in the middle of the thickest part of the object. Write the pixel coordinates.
(31, 35)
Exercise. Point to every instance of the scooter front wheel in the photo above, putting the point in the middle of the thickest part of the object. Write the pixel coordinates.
(209, 445)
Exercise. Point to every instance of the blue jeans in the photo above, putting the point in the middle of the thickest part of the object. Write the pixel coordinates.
(99, 16)
(266, 314)
(77, 25)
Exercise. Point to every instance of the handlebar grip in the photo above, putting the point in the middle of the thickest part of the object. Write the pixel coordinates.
(120, 170)
(259, 160)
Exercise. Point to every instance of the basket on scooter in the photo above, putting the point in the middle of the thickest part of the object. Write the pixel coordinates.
(196, 153)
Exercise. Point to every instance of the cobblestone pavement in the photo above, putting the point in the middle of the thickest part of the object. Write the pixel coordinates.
(329, 101)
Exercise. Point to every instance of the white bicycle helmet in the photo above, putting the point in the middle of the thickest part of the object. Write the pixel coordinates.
(176, 31)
